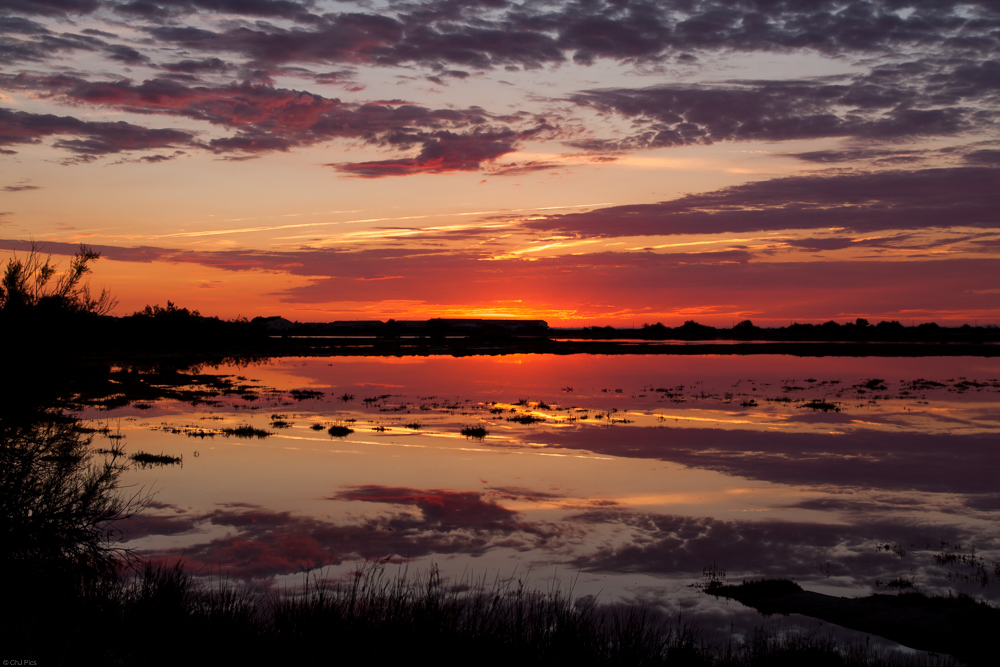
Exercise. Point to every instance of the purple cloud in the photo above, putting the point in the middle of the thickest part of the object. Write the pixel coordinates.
(86, 139)
(267, 119)
(864, 201)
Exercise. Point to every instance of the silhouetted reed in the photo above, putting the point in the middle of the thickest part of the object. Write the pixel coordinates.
(147, 459)
(246, 431)
(474, 432)
(162, 615)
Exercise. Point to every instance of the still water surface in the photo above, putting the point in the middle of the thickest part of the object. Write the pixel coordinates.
(639, 473)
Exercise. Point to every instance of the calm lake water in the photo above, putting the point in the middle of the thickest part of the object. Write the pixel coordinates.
(640, 473)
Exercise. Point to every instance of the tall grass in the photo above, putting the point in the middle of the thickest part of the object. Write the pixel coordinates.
(162, 615)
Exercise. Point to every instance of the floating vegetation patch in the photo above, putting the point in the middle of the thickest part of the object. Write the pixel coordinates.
(305, 394)
(340, 431)
(246, 431)
(412, 425)
(317, 427)
(474, 432)
(346, 398)
(525, 419)
(875, 384)
(278, 421)
(823, 406)
(147, 459)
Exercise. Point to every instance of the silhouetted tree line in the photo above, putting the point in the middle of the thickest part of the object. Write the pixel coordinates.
(860, 330)
(49, 316)
(55, 319)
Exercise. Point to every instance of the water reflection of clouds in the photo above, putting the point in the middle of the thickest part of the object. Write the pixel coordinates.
(865, 458)
(836, 555)
(265, 544)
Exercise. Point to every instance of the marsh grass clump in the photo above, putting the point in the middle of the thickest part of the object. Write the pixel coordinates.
(147, 459)
(305, 394)
(246, 431)
(822, 406)
(474, 432)
(280, 421)
(525, 419)
(340, 431)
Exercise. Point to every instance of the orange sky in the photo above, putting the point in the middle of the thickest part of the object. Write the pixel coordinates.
(585, 164)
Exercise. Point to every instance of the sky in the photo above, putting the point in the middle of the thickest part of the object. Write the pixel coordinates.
(593, 162)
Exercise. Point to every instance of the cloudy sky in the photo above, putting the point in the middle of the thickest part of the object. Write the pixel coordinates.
(591, 162)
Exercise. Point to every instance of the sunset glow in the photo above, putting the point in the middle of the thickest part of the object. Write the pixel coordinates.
(581, 163)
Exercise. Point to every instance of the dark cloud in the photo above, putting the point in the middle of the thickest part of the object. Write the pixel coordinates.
(441, 152)
(863, 201)
(987, 502)
(452, 37)
(935, 96)
(877, 155)
(213, 65)
(870, 108)
(89, 139)
(267, 119)
(127, 55)
(51, 7)
(46, 44)
(984, 157)
(897, 241)
(22, 187)
(167, 9)
(499, 34)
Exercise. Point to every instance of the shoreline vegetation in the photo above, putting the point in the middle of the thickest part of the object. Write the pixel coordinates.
(71, 579)
(172, 331)
(162, 615)
(45, 316)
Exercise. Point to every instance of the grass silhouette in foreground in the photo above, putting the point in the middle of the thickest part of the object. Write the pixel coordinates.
(163, 616)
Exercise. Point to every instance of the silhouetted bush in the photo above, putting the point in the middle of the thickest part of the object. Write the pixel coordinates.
(59, 500)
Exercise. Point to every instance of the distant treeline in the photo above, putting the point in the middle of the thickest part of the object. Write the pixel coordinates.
(164, 329)
(860, 330)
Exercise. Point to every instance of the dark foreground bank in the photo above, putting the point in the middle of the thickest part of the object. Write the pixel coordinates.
(164, 617)
(955, 625)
